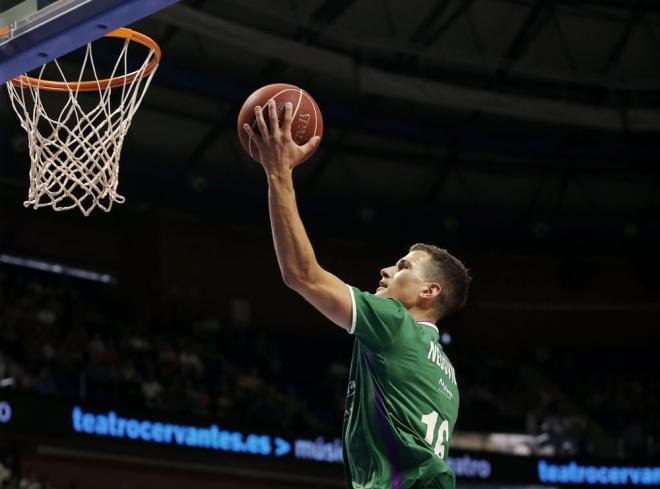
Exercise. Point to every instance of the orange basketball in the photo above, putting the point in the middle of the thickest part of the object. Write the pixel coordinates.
(307, 120)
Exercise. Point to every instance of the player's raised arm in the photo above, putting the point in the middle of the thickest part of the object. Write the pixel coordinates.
(279, 156)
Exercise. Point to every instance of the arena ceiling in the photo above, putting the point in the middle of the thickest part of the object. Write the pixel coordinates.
(476, 113)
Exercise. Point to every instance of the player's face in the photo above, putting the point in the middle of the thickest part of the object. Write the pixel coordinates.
(404, 281)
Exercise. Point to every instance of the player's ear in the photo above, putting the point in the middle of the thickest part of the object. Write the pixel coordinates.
(431, 290)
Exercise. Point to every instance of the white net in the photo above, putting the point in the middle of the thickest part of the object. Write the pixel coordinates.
(75, 152)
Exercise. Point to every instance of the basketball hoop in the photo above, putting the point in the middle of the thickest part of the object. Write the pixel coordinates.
(75, 153)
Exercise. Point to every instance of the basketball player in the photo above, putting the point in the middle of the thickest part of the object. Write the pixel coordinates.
(402, 399)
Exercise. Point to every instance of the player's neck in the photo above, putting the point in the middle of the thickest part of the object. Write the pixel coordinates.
(422, 315)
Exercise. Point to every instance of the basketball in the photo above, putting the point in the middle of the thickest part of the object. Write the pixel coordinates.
(307, 120)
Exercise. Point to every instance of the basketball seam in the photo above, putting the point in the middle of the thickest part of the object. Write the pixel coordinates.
(316, 119)
(300, 96)
(282, 91)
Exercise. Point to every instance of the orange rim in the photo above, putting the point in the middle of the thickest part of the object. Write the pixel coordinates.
(90, 86)
(4, 30)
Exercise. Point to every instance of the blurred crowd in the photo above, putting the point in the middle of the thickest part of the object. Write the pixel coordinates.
(620, 391)
(57, 339)
(69, 339)
(11, 476)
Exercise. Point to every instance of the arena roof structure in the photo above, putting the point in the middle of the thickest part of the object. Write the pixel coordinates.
(478, 113)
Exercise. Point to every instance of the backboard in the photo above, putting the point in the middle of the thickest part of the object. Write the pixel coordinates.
(34, 32)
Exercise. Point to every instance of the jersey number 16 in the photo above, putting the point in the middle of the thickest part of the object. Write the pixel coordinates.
(430, 420)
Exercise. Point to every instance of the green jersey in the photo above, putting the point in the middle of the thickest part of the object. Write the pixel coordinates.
(402, 400)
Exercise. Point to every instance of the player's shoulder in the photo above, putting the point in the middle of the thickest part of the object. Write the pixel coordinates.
(373, 298)
(381, 305)
(428, 328)
(422, 333)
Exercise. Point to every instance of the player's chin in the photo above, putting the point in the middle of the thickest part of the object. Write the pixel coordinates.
(381, 291)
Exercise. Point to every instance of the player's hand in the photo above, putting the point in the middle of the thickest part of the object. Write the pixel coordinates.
(277, 149)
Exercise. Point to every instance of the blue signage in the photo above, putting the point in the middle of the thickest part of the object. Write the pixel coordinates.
(319, 450)
(111, 424)
(574, 473)
(211, 437)
(5, 412)
(471, 468)
(282, 447)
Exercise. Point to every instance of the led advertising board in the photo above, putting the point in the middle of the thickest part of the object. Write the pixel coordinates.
(149, 433)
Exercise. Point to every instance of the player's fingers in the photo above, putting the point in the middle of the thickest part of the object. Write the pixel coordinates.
(261, 123)
(253, 135)
(287, 119)
(272, 115)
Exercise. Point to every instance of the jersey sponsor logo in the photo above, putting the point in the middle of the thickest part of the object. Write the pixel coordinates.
(445, 390)
(350, 396)
(440, 359)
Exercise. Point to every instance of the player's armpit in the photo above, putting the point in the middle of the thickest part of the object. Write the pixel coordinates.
(327, 293)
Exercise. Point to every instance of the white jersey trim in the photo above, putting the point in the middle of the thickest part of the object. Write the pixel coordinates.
(427, 323)
(353, 310)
